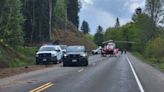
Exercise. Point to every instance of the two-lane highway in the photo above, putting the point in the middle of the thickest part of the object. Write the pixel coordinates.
(110, 75)
(104, 74)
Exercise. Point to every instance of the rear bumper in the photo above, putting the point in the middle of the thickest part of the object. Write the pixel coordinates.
(107, 52)
(75, 61)
(46, 59)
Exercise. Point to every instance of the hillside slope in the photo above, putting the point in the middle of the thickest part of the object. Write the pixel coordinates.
(16, 57)
(74, 38)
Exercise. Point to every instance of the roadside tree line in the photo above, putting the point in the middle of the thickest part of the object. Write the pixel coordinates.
(33, 21)
(146, 29)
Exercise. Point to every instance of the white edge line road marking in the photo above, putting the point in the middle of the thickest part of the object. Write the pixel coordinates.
(81, 70)
(135, 75)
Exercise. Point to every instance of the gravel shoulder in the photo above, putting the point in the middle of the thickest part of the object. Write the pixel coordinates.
(7, 72)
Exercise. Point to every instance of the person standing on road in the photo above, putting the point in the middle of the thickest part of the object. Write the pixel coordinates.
(125, 51)
(121, 50)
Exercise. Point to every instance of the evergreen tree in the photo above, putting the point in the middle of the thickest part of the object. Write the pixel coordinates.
(117, 23)
(37, 19)
(99, 36)
(73, 9)
(138, 12)
(11, 20)
(85, 27)
(60, 14)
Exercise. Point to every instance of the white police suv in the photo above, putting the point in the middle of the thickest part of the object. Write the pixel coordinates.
(49, 54)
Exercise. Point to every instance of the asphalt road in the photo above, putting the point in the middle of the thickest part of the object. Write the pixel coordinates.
(104, 74)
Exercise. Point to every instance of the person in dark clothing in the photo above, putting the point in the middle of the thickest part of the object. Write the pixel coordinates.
(125, 51)
(121, 50)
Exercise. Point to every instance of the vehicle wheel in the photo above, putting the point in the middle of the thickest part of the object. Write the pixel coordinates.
(55, 62)
(61, 61)
(86, 64)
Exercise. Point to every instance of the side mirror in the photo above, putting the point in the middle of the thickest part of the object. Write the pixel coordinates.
(64, 51)
(58, 50)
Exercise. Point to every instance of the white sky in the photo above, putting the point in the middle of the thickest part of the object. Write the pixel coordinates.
(105, 12)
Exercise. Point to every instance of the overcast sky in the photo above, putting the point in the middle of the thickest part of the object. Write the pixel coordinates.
(105, 12)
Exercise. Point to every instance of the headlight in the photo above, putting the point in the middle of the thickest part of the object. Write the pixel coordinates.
(65, 55)
(83, 55)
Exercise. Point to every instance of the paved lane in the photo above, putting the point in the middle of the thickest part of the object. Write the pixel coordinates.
(104, 74)
(110, 75)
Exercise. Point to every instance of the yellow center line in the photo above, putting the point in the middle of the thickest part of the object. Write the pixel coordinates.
(43, 87)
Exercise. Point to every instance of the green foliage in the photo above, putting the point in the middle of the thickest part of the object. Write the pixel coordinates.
(85, 27)
(99, 36)
(154, 52)
(73, 8)
(36, 25)
(154, 48)
(60, 6)
(11, 20)
(19, 56)
(113, 33)
(89, 37)
(139, 31)
(28, 22)
(43, 15)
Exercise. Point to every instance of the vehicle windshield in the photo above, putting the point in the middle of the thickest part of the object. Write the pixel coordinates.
(63, 47)
(75, 49)
(47, 49)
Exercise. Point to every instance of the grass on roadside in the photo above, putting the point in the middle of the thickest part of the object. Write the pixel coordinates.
(16, 57)
(155, 62)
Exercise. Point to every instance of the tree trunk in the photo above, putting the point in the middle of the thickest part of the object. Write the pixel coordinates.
(33, 22)
(50, 20)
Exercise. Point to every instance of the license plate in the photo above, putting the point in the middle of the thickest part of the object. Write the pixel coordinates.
(44, 59)
(74, 60)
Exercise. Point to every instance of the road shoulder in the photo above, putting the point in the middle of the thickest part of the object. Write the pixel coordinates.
(151, 78)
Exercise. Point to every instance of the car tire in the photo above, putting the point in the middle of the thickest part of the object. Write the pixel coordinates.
(61, 61)
(55, 62)
(86, 64)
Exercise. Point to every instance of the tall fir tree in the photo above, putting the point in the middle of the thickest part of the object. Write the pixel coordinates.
(117, 23)
(73, 9)
(99, 36)
(36, 26)
(85, 27)
(11, 20)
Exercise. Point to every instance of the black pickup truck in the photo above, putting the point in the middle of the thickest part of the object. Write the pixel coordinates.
(75, 55)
